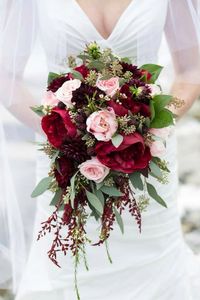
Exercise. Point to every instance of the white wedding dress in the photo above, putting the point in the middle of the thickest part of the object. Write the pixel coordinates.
(153, 265)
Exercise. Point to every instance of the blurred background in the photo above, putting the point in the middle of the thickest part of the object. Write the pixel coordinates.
(23, 157)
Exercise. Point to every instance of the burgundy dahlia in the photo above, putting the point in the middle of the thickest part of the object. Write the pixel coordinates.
(75, 150)
(80, 96)
(131, 68)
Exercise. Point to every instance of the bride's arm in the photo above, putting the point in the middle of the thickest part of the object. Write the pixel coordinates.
(18, 35)
(183, 35)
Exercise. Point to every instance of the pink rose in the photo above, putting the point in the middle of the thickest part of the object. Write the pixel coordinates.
(50, 99)
(155, 89)
(109, 86)
(64, 93)
(161, 132)
(157, 148)
(102, 124)
(94, 170)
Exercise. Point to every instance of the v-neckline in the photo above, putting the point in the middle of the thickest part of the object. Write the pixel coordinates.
(123, 14)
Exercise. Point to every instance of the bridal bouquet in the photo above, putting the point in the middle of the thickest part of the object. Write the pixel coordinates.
(106, 123)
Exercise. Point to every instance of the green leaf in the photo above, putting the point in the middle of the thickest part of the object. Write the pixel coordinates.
(83, 56)
(73, 192)
(99, 185)
(96, 65)
(163, 119)
(117, 140)
(42, 186)
(136, 180)
(153, 113)
(119, 220)
(155, 169)
(77, 75)
(153, 193)
(55, 156)
(52, 76)
(155, 71)
(100, 196)
(95, 202)
(126, 60)
(38, 110)
(161, 101)
(111, 191)
(56, 198)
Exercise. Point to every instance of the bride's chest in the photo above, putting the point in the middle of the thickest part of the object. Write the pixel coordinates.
(139, 18)
(65, 29)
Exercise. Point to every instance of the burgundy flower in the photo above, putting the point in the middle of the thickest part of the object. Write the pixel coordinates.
(75, 150)
(64, 172)
(134, 103)
(58, 127)
(131, 68)
(83, 70)
(80, 96)
(130, 156)
(56, 83)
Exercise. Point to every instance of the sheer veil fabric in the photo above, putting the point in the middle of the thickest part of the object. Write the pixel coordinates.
(137, 34)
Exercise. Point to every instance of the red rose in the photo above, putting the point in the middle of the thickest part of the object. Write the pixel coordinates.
(130, 156)
(130, 103)
(83, 70)
(146, 74)
(66, 171)
(133, 106)
(58, 126)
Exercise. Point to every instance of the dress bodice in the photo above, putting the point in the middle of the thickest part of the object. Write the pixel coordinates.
(137, 33)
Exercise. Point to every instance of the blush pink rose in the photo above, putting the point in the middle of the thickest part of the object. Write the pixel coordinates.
(109, 86)
(161, 132)
(102, 124)
(157, 149)
(94, 170)
(64, 93)
(155, 89)
(50, 99)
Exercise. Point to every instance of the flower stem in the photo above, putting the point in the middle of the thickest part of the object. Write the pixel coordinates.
(75, 276)
(107, 251)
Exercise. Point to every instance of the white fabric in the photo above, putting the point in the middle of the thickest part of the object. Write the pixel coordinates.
(151, 266)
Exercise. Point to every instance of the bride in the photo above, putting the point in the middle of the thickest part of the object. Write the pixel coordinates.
(154, 265)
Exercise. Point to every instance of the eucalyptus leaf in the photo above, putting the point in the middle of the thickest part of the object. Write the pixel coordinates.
(41, 187)
(155, 169)
(100, 196)
(77, 75)
(126, 60)
(95, 202)
(163, 119)
(52, 76)
(73, 192)
(96, 65)
(38, 110)
(153, 193)
(99, 185)
(56, 197)
(55, 156)
(111, 191)
(119, 220)
(136, 180)
(117, 140)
